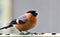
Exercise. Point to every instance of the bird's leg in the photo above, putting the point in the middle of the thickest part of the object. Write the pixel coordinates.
(27, 32)
(22, 33)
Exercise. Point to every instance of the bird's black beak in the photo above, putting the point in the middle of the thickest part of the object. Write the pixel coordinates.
(36, 14)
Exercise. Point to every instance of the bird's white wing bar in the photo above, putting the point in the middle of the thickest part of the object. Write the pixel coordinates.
(17, 21)
(22, 19)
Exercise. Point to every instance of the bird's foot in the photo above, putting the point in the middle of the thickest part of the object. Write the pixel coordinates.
(25, 33)
(29, 33)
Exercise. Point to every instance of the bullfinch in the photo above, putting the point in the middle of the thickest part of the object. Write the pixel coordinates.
(24, 22)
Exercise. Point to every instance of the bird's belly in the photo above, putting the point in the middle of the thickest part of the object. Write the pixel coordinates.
(25, 27)
(28, 25)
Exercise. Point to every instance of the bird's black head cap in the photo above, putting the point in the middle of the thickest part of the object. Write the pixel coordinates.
(33, 12)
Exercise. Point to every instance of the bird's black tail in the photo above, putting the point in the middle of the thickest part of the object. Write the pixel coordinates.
(10, 25)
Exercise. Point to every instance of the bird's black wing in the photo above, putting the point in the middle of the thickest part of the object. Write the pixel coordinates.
(22, 19)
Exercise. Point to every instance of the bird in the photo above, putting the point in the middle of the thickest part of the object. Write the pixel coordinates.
(24, 22)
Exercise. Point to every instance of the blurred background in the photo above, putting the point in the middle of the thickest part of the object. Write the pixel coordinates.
(48, 10)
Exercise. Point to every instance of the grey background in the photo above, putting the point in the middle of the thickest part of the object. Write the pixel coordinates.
(48, 10)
